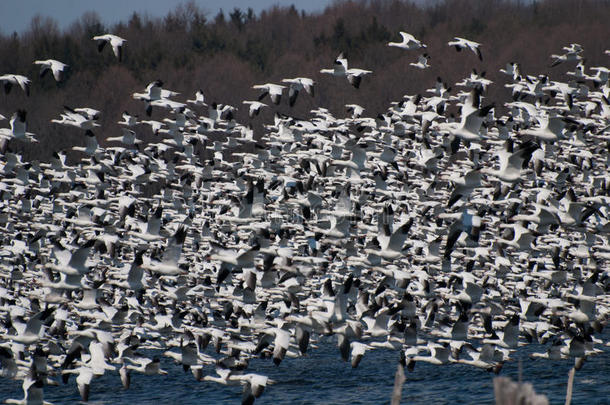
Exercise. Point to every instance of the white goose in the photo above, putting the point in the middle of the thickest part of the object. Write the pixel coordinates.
(297, 84)
(422, 61)
(353, 75)
(32, 393)
(461, 43)
(273, 90)
(115, 42)
(56, 67)
(408, 42)
(9, 80)
(18, 128)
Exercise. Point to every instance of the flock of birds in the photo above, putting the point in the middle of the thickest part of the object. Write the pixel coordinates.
(448, 239)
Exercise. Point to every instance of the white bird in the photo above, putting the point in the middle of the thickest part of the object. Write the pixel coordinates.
(273, 90)
(461, 43)
(199, 99)
(128, 119)
(254, 107)
(33, 393)
(115, 42)
(72, 263)
(354, 76)
(254, 385)
(340, 69)
(145, 365)
(31, 332)
(422, 61)
(83, 380)
(512, 163)
(128, 137)
(171, 256)
(72, 117)
(9, 80)
(18, 128)
(358, 350)
(54, 66)
(297, 84)
(408, 42)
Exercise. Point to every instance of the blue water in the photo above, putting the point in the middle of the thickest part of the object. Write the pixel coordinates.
(323, 378)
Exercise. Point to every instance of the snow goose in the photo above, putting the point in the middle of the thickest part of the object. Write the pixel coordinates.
(392, 243)
(72, 117)
(199, 99)
(273, 90)
(468, 222)
(422, 61)
(128, 119)
(254, 107)
(145, 365)
(57, 68)
(464, 185)
(115, 42)
(9, 80)
(72, 263)
(297, 84)
(358, 350)
(512, 163)
(33, 392)
(461, 43)
(469, 127)
(171, 256)
(254, 385)
(354, 76)
(83, 380)
(354, 110)
(128, 137)
(408, 42)
(512, 69)
(31, 332)
(551, 128)
(483, 358)
(339, 67)
(18, 128)
(439, 355)
(573, 53)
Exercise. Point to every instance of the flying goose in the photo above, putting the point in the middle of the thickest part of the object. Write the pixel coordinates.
(32, 392)
(56, 67)
(199, 99)
(573, 53)
(115, 42)
(254, 107)
(9, 80)
(171, 256)
(512, 163)
(461, 43)
(297, 84)
(72, 117)
(353, 75)
(408, 42)
(273, 90)
(18, 128)
(422, 61)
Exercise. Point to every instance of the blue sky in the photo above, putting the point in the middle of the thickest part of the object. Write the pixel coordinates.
(15, 15)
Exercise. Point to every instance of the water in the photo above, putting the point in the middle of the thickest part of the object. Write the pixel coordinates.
(323, 378)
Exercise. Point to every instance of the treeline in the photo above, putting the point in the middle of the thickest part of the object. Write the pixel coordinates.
(224, 55)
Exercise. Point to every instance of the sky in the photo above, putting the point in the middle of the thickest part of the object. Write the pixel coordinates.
(15, 15)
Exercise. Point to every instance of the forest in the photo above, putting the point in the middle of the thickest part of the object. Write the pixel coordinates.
(226, 54)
